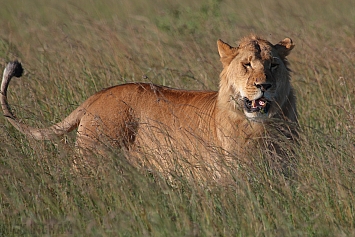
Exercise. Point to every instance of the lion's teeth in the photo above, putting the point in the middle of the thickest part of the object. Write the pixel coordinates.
(253, 104)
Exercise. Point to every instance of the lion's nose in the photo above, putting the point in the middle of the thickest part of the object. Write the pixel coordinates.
(263, 87)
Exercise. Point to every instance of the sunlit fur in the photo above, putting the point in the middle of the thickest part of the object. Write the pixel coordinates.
(159, 122)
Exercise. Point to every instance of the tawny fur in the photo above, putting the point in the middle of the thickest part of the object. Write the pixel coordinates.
(161, 122)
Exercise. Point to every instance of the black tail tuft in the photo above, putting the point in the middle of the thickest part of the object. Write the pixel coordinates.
(13, 69)
(16, 68)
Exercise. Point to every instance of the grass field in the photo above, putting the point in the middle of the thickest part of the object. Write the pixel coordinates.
(71, 49)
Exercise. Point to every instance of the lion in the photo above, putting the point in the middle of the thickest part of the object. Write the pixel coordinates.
(163, 124)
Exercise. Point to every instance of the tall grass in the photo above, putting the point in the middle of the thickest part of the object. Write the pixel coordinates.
(71, 49)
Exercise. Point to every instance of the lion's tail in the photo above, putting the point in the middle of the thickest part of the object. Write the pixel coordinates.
(68, 124)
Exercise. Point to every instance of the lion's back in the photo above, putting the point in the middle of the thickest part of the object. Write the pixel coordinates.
(146, 114)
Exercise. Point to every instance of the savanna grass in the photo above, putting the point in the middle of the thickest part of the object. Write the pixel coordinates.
(71, 49)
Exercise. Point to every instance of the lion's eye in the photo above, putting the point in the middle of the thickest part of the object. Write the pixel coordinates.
(274, 66)
(274, 63)
(247, 64)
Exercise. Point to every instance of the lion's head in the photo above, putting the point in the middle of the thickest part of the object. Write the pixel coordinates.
(255, 76)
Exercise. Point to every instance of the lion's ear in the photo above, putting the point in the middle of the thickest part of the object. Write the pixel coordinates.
(226, 52)
(284, 47)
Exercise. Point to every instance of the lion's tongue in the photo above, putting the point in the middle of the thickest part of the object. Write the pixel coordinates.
(258, 103)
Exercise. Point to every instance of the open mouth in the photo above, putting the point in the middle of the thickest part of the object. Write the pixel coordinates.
(260, 105)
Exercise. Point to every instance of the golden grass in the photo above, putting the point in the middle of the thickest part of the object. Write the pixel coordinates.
(71, 49)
